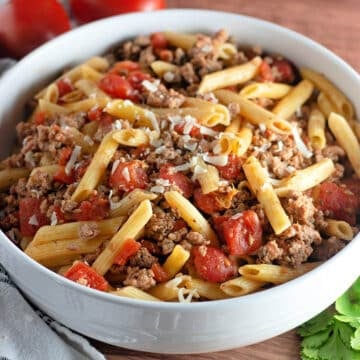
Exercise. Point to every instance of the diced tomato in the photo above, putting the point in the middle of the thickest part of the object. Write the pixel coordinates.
(30, 215)
(129, 249)
(80, 169)
(94, 114)
(232, 169)
(158, 41)
(179, 224)
(354, 186)
(136, 78)
(116, 86)
(64, 178)
(60, 216)
(40, 118)
(242, 232)
(129, 176)
(194, 132)
(284, 71)
(153, 248)
(139, 152)
(338, 202)
(159, 273)
(95, 208)
(265, 72)
(177, 178)
(64, 86)
(124, 67)
(85, 275)
(212, 264)
(64, 155)
(207, 203)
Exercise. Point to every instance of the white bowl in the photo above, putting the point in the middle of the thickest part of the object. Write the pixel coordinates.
(172, 327)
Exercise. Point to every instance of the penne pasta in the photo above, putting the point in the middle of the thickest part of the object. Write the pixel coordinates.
(181, 40)
(206, 289)
(86, 105)
(316, 129)
(51, 109)
(169, 290)
(241, 286)
(52, 94)
(325, 105)
(340, 229)
(131, 137)
(85, 142)
(208, 178)
(347, 139)
(90, 89)
(176, 260)
(160, 68)
(10, 175)
(269, 90)
(235, 75)
(134, 293)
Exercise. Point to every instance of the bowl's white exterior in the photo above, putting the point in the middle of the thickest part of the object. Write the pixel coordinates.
(172, 327)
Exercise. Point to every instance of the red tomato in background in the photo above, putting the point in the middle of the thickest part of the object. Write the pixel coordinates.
(242, 233)
(89, 10)
(232, 169)
(212, 264)
(30, 215)
(177, 178)
(26, 24)
(116, 86)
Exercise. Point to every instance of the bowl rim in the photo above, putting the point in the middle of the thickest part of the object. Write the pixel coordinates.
(193, 306)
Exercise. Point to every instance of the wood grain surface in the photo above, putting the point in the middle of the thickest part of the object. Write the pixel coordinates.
(334, 24)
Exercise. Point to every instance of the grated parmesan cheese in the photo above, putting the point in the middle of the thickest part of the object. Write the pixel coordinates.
(162, 182)
(160, 149)
(206, 131)
(206, 48)
(300, 144)
(74, 156)
(117, 125)
(125, 173)
(53, 219)
(199, 170)
(219, 160)
(262, 127)
(88, 140)
(151, 86)
(33, 220)
(115, 165)
(151, 116)
(128, 102)
(189, 124)
(157, 189)
(169, 76)
(190, 294)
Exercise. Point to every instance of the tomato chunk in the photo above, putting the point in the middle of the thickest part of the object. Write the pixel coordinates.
(85, 275)
(64, 178)
(136, 78)
(40, 118)
(177, 178)
(232, 169)
(129, 176)
(194, 132)
(64, 155)
(265, 72)
(95, 208)
(158, 41)
(159, 273)
(124, 67)
(129, 249)
(283, 71)
(212, 264)
(116, 86)
(338, 202)
(208, 203)
(242, 232)
(64, 86)
(30, 215)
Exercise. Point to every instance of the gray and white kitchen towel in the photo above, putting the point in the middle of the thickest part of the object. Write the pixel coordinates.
(28, 334)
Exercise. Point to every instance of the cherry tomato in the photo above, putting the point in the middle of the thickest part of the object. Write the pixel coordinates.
(129, 176)
(159, 273)
(212, 264)
(25, 24)
(208, 203)
(129, 249)
(116, 86)
(242, 233)
(232, 169)
(85, 275)
(89, 10)
(30, 215)
(95, 208)
(177, 178)
(158, 41)
(339, 202)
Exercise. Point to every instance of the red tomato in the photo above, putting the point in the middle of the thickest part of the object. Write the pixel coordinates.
(59, 214)
(80, 169)
(177, 178)
(136, 78)
(95, 208)
(194, 132)
(129, 249)
(179, 224)
(153, 248)
(124, 67)
(212, 264)
(242, 232)
(25, 24)
(89, 10)
(232, 169)
(265, 72)
(284, 71)
(207, 203)
(94, 114)
(64, 86)
(40, 118)
(159, 273)
(64, 155)
(339, 202)
(30, 215)
(116, 86)
(64, 178)
(129, 176)
(158, 41)
(85, 275)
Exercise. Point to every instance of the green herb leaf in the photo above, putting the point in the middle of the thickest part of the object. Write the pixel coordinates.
(354, 322)
(316, 340)
(355, 340)
(349, 303)
(309, 354)
(318, 323)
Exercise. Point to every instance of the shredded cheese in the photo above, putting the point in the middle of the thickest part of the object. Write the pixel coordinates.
(115, 166)
(53, 219)
(74, 156)
(219, 160)
(33, 220)
(151, 86)
(125, 173)
(300, 144)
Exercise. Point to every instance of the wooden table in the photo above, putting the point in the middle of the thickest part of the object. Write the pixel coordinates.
(336, 25)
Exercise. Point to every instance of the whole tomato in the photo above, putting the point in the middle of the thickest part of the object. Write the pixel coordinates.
(26, 24)
(89, 10)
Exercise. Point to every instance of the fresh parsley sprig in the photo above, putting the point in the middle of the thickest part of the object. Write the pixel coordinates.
(335, 333)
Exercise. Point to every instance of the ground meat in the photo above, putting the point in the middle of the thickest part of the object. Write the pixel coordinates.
(333, 152)
(19, 188)
(67, 206)
(167, 246)
(88, 231)
(146, 57)
(143, 258)
(160, 225)
(262, 217)
(327, 249)
(140, 278)
(165, 98)
(292, 247)
(24, 129)
(300, 208)
(188, 73)
(40, 182)
(195, 238)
